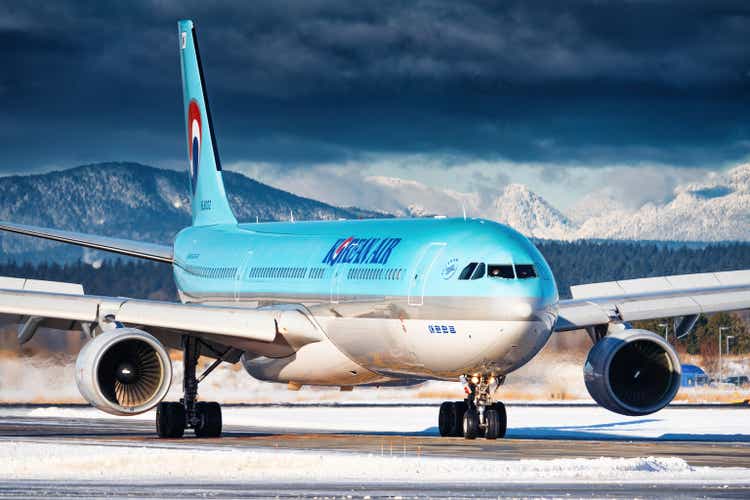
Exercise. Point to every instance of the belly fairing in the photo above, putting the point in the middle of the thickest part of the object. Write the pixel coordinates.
(318, 363)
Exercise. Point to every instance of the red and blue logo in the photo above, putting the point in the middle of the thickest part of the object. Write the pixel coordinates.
(342, 247)
(194, 139)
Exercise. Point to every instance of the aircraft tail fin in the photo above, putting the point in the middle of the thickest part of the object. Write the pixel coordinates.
(208, 197)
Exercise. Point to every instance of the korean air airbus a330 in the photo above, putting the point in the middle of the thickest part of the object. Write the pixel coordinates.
(345, 303)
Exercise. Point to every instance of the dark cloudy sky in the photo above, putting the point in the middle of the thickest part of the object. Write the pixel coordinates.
(551, 86)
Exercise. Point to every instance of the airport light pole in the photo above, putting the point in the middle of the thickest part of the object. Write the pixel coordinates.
(666, 330)
(728, 337)
(721, 367)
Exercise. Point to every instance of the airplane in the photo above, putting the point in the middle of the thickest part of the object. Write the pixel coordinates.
(352, 302)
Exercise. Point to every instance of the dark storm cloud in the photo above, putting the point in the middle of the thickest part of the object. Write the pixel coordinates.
(305, 81)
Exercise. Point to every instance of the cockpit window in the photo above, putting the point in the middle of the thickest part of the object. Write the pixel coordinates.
(478, 272)
(504, 271)
(467, 271)
(524, 271)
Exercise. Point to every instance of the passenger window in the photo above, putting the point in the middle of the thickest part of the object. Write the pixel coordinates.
(478, 272)
(504, 271)
(467, 271)
(524, 271)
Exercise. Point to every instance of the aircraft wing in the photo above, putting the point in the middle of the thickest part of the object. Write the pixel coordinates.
(63, 305)
(685, 295)
(151, 251)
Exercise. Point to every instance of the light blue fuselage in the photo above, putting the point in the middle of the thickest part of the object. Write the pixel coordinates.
(403, 273)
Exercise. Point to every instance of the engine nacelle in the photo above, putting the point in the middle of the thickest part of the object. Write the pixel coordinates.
(123, 371)
(632, 372)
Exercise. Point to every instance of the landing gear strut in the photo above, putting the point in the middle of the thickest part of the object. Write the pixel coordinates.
(204, 418)
(477, 415)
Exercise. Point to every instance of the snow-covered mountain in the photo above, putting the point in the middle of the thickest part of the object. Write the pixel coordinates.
(516, 205)
(410, 198)
(715, 210)
(145, 203)
(529, 213)
(134, 201)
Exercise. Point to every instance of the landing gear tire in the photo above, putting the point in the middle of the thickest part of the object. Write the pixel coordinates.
(460, 410)
(471, 424)
(446, 421)
(170, 420)
(451, 418)
(208, 420)
(502, 420)
(492, 421)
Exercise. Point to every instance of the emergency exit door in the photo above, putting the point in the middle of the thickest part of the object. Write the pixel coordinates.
(420, 272)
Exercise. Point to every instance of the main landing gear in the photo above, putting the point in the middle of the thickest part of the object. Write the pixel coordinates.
(204, 418)
(477, 415)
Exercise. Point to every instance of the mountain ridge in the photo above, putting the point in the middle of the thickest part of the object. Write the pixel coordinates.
(715, 210)
(141, 202)
(134, 201)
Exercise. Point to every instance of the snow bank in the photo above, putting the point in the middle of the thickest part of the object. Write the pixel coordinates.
(21, 461)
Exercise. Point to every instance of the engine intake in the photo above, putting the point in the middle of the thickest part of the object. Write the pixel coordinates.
(124, 371)
(632, 372)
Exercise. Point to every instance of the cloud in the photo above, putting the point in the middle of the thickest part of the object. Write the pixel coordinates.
(354, 184)
(487, 184)
(289, 48)
(300, 83)
(440, 185)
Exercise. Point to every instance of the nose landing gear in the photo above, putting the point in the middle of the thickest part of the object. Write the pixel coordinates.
(477, 415)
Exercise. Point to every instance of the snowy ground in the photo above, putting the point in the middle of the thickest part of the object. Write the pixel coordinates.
(23, 461)
(53, 460)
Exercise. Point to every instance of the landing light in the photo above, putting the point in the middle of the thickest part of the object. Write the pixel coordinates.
(523, 309)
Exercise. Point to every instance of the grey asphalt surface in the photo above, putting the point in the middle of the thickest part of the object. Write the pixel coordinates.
(38, 489)
(141, 433)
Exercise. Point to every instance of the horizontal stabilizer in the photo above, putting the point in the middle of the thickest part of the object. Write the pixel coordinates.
(150, 251)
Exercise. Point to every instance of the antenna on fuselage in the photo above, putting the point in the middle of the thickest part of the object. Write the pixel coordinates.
(256, 219)
(463, 208)
(291, 215)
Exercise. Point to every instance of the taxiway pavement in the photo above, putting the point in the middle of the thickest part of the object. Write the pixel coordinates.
(141, 433)
(81, 427)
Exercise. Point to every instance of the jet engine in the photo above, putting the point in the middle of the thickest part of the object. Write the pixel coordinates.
(123, 371)
(632, 372)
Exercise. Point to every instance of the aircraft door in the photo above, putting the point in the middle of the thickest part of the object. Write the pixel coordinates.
(420, 273)
(336, 278)
(241, 274)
